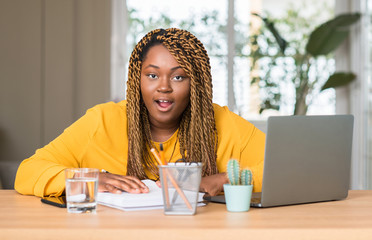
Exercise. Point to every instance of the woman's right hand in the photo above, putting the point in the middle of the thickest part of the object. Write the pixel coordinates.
(114, 183)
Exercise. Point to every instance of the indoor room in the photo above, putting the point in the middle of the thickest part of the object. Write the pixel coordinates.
(268, 58)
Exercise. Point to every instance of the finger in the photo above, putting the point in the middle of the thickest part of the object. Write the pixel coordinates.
(109, 188)
(103, 185)
(202, 187)
(136, 181)
(127, 185)
(133, 182)
(206, 195)
(124, 178)
(213, 193)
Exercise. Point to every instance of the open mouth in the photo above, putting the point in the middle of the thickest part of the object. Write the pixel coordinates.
(164, 104)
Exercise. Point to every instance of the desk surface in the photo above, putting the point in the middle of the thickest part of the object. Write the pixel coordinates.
(27, 218)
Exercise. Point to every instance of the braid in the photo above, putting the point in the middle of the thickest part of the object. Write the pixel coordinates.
(197, 132)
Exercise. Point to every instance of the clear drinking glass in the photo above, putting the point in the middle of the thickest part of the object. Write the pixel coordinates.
(180, 187)
(81, 189)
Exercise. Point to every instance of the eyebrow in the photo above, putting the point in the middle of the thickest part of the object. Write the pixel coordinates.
(154, 66)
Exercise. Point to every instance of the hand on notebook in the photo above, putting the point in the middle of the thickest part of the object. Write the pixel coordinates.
(118, 183)
(213, 185)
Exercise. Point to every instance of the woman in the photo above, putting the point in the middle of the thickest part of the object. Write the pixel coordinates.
(169, 101)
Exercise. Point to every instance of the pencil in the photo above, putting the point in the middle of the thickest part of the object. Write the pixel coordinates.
(178, 189)
(156, 155)
(165, 183)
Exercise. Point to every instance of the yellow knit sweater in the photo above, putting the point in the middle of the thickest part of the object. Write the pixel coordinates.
(99, 139)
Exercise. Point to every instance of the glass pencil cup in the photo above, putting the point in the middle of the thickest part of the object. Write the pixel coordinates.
(81, 189)
(180, 187)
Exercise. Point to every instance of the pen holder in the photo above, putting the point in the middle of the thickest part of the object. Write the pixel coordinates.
(180, 187)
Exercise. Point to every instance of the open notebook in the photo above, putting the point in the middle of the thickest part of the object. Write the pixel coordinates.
(133, 202)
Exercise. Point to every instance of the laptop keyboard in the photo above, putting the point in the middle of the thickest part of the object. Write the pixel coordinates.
(256, 200)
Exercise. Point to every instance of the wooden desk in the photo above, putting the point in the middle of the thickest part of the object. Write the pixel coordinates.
(25, 217)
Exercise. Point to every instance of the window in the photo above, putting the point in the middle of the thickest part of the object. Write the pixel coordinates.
(201, 18)
(224, 28)
(356, 99)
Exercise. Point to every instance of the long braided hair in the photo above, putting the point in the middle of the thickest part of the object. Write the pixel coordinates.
(197, 132)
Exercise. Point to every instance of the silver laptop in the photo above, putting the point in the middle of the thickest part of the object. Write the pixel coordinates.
(307, 159)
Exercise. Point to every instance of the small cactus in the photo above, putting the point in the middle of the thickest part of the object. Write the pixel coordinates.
(246, 177)
(237, 177)
(233, 169)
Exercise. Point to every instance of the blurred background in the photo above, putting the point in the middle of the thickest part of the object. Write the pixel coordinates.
(60, 57)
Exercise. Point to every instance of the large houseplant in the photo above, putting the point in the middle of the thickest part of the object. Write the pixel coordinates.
(301, 66)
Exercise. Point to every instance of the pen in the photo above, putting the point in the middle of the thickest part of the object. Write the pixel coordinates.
(178, 189)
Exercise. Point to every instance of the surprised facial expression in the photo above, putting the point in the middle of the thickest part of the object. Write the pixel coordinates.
(165, 87)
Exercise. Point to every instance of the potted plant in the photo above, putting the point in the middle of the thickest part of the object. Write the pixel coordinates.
(239, 191)
(303, 65)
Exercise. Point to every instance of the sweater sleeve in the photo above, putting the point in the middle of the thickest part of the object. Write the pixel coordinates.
(43, 173)
(240, 139)
(252, 149)
(252, 157)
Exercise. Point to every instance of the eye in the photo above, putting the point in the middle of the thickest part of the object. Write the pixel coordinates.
(178, 78)
(152, 76)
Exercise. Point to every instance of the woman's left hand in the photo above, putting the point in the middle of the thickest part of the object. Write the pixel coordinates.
(213, 185)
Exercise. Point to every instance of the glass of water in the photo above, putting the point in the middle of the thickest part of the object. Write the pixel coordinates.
(81, 189)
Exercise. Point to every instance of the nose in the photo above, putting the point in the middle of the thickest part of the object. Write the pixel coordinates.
(164, 85)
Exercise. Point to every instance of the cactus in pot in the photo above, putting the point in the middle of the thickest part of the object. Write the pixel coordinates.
(237, 176)
(238, 193)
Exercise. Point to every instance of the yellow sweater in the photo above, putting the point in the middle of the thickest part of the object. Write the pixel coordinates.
(99, 139)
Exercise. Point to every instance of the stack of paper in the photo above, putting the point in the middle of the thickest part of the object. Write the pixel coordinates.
(143, 201)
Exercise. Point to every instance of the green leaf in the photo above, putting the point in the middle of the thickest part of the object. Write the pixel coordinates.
(328, 36)
(270, 25)
(338, 79)
(255, 80)
(268, 105)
